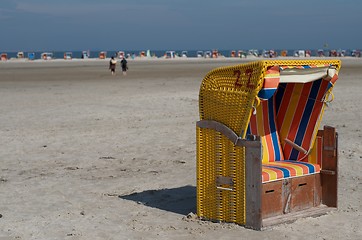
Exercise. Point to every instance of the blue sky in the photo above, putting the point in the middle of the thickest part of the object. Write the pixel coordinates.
(39, 25)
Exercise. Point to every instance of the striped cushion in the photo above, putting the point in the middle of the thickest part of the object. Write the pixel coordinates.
(287, 120)
(288, 168)
(263, 122)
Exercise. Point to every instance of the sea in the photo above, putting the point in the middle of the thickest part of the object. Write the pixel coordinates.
(189, 53)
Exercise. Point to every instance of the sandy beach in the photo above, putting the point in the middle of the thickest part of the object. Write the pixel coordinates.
(88, 155)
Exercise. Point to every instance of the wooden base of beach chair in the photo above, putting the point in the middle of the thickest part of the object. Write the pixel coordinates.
(291, 195)
(287, 200)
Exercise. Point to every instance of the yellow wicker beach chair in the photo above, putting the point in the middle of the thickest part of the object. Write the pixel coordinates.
(260, 157)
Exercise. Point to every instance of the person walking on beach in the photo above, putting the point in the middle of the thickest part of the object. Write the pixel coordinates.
(112, 65)
(124, 66)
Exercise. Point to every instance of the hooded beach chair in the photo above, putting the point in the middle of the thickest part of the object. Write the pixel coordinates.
(260, 157)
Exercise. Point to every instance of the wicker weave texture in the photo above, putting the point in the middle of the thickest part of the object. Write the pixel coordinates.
(223, 159)
(227, 95)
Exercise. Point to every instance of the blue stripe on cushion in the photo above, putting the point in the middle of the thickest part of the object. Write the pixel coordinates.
(279, 96)
(266, 93)
(273, 130)
(329, 85)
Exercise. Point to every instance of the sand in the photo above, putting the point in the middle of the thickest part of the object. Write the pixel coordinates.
(87, 155)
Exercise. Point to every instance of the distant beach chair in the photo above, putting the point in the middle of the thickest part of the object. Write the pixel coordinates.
(260, 157)
(85, 54)
(215, 53)
(184, 54)
(233, 53)
(47, 56)
(103, 55)
(20, 55)
(121, 54)
(68, 56)
(241, 54)
(200, 54)
(31, 55)
(4, 56)
(284, 53)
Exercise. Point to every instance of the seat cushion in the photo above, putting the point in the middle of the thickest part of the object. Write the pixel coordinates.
(287, 168)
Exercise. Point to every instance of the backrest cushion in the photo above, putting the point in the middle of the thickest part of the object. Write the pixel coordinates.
(299, 109)
(263, 120)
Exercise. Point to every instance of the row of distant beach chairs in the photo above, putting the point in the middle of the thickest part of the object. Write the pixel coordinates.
(47, 55)
(69, 55)
(199, 54)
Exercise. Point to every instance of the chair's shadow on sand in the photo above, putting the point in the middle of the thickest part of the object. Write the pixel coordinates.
(180, 200)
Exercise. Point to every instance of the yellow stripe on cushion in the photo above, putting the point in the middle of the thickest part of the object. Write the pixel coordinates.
(288, 119)
(261, 132)
(316, 153)
(270, 175)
